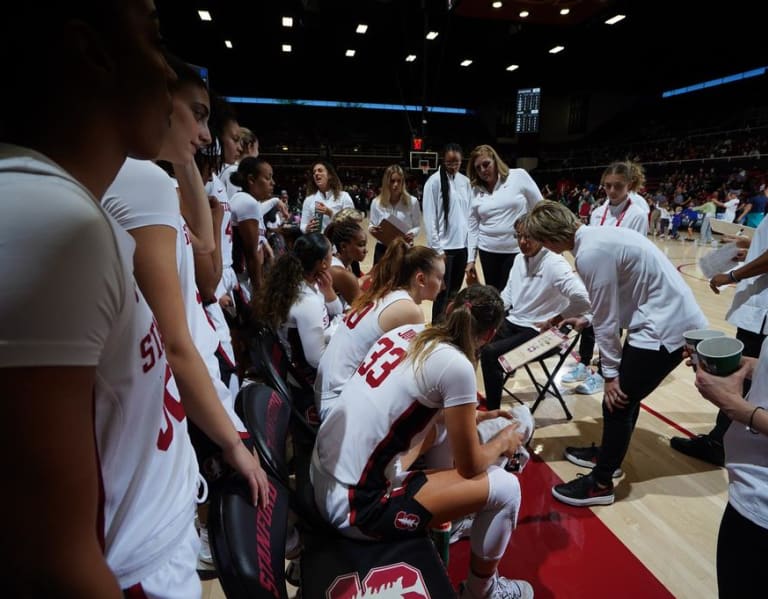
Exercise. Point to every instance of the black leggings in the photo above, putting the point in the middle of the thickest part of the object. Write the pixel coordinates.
(508, 337)
(496, 268)
(455, 263)
(742, 547)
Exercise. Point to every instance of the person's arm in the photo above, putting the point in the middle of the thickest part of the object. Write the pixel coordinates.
(726, 393)
(400, 313)
(744, 211)
(155, 271)
(307, 213)
(375, 217)
(345, 283)
(472, 239)
(530, 190)
(637, 221)
(208, 267)
(309, 325)
(572, 288)
(48, 458)
(195, 207)
(254, 254)
(431, 201)
(757, 267)
(413, 232)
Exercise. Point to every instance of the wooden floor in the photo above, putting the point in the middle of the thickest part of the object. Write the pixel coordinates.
(668, 506)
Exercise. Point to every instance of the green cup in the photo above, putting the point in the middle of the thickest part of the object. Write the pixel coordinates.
(720, 356)
(692, 339)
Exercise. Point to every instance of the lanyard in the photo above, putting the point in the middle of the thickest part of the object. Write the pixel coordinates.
(621, 215)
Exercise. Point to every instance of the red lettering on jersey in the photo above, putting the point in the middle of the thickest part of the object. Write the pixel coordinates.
(151, 347)
(367, 368)
(353, 318)
(228, 230)
(399, 579)
(171, 407)
(407, 335)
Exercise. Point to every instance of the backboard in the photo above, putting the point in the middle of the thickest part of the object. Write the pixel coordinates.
(426, 162)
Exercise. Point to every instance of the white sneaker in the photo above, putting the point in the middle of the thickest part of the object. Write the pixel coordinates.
(503, 588)
(594, 383)
(204, 557)
(576, 374)
(460, 529)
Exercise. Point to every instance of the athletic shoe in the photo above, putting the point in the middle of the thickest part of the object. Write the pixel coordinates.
(576, 374)
(205, 548)
(460, 529)
(293, 573)
(702, 447)
(503, 588)
(583, 492)
(586, 457)
(594, 383)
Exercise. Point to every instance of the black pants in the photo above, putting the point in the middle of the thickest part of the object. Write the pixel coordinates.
(496, 268)
(640, 372)
(742, 547)
(508, 337)
(752, 344)
(587, 345)
(455, 263)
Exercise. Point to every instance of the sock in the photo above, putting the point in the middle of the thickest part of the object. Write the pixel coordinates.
(480, 586)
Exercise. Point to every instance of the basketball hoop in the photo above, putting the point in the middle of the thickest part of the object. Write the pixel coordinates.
(425, 169)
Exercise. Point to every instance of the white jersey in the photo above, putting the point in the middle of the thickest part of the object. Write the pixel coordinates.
(625, 214)
(143, 195)
(216, 189)
(348, 347)
(225, 174)
(74, 302)
(334, 203)
(314, 321)
(639, 201)
(336, 261)
(385, 409)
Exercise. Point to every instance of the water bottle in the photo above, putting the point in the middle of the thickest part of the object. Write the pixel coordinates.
(441, 537)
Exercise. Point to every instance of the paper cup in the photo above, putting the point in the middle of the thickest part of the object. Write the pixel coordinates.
(720, 356)
(692, 339)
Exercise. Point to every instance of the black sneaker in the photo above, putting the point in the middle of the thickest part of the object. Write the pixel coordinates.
(583, 492)
(586, 457)
(702, 447)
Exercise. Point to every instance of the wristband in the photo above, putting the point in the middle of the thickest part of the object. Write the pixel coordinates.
(732, 277)
(751, 419)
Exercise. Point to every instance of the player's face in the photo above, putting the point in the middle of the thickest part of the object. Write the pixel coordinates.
(529, 247)
(263, 184)
(189, 125)
(143, 77)
(230, 142)
(433, 280)
(395, 184)
(357, 249)
(452, 162)
(616, 187)
(485, 167)
(320, 175)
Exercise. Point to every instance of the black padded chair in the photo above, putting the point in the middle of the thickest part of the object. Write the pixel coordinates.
(332, 566)
(549, 386)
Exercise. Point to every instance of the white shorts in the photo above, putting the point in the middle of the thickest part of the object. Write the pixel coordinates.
(177, 578)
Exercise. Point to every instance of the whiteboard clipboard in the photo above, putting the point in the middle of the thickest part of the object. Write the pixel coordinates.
(735, 229)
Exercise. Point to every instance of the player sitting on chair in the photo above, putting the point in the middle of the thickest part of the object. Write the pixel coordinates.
(542, 289)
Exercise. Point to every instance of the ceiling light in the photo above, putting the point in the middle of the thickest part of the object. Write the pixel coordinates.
(287, 48)
(432, 35)
(616, 19)
(287, 21)
(361, 28)
(227, 43)
(557, 49)
(466, 63)
(410, 58)
(349, 53)
(513, 67)
(285, 148)
(565, 11)
(523, 14)
(204, 15)
(497, 4)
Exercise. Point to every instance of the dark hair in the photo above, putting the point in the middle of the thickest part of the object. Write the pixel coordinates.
(186, 74)
(444, 186)
(342, 231)
(475, 311)
(334, 183)
(248, 167)
(395, 269)
(273, 302)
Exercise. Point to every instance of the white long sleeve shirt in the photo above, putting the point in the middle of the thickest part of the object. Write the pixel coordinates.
(749, 309)
(639, 201)
(492, 215)
(408, 212)
(453, 236)
(327, 198)
(633, 286)
(625, 214)
(541, 287)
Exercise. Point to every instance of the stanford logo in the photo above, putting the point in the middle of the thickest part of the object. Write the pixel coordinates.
(395, 581)
(405, 521)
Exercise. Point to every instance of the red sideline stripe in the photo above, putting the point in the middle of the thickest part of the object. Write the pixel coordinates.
(685, 274)
(666, 420)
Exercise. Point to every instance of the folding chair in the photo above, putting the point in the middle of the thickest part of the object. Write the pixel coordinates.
(549, 387)
(332, 566)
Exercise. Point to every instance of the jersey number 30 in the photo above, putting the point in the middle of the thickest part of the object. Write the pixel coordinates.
(374, 370)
